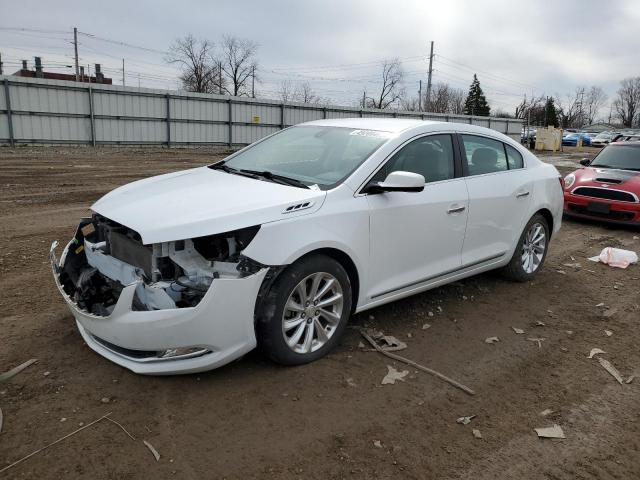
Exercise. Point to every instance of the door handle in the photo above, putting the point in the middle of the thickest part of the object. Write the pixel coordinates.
(522, 194)
(455, 209)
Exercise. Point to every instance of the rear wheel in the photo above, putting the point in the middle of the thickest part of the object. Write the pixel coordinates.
(305, 312)
(530, 252)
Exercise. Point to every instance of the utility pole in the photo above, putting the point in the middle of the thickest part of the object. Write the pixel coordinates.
(420, 97)
(123, 72)
(220, 78)
(75, 48)
(253, 81)
(364, 99)
(428, 102)
(545, 112)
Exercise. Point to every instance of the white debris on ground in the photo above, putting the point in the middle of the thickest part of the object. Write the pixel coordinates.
(537, 340)
(426, 326)
(517, 330)
(476, 433)
(550, 432)
(393, 375)
(491, 340)
(377, 444)
(595, 351)
(606, 364)
(608, 333)
(616, 257)
(465, 420)
(546, 412)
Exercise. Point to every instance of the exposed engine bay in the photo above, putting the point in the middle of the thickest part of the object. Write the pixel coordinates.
(104, 257)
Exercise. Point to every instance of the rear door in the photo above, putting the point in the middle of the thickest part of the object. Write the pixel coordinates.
(500, 195)
(416, 236)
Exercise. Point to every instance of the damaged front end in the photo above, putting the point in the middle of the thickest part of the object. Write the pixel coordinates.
(104, 257)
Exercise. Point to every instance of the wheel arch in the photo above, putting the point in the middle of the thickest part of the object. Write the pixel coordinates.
(548, 216)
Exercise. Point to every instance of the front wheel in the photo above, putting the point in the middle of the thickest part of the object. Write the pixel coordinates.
(530, 252)
(305, 312)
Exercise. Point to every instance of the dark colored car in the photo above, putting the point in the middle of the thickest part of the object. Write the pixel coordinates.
(571, 140)
(607, 187)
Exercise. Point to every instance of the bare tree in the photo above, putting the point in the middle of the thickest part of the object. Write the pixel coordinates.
(301, 92)
(193, 57)
(239, 64)
(571, 111)
(286, 91)
(594, 99)
(627, 104)
(391, 91)
(305, 94)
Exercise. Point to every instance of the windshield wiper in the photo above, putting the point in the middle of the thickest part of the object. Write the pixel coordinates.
(228, 169)
(274, 177)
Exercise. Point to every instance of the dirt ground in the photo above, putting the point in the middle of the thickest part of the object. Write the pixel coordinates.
(331, 419)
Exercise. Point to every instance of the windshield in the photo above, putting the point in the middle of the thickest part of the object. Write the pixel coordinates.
(618, 156)
(324, 156)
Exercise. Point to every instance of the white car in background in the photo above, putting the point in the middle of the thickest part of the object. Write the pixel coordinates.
(280, 243)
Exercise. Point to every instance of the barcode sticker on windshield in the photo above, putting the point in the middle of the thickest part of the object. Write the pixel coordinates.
(371, 133)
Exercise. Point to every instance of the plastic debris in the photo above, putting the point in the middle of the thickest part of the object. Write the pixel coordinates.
(537, 340)
(152, 450)
(601, 304)
(627, 381)
(393, 375)
(491, 340)
(350, 382)
(608, 333)
(16, 370)
(616, 257)
(518, 331)
(561, 272)
(540, 324)
(465, 420)
(546, 412)
(550, 432)
(476, 433)
(606, 364)
(595, 351)
(426, 326)
(377, 444)
(387, 343)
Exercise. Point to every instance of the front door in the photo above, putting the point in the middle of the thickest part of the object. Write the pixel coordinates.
(417, 236)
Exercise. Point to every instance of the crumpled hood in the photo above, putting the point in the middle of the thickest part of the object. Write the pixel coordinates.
(201, 201)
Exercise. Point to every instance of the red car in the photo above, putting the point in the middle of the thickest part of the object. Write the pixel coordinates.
(607, 187)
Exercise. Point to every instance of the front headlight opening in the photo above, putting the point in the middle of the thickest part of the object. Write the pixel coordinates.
(569, 180)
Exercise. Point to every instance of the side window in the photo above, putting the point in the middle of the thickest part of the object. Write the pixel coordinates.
(484, 155)
(430, 156)
(514, 157)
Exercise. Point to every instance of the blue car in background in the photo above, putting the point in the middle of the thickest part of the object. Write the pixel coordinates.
(571, 139)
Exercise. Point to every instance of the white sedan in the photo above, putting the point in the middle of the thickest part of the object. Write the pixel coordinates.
(277, 245)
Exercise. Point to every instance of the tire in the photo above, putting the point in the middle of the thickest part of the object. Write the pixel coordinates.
(285, 319)
(521, 269)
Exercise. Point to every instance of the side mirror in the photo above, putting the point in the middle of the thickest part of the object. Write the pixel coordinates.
(398, 182)
(585, 162)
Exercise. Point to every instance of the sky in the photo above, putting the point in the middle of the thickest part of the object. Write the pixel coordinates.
(515, 47)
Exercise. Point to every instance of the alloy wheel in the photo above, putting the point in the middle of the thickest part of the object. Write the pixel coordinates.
(312, 312)
(533, 247)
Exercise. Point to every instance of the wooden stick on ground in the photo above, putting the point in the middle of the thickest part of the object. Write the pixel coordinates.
(416, 365)
(53, 443)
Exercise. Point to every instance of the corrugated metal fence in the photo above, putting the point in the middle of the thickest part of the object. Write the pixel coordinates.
(53, 111)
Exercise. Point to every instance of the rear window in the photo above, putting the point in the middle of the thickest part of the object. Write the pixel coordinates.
(514, 158)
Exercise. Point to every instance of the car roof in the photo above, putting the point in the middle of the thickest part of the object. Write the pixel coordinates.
(398, 125)
(393, 125)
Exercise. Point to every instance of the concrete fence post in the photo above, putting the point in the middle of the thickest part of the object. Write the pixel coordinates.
(168, 100)
(230, 115)
(92, 123)
(7, 100)
(282, 124)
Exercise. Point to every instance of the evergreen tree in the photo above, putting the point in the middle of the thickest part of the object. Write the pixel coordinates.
(550, 113)
(476, 102)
